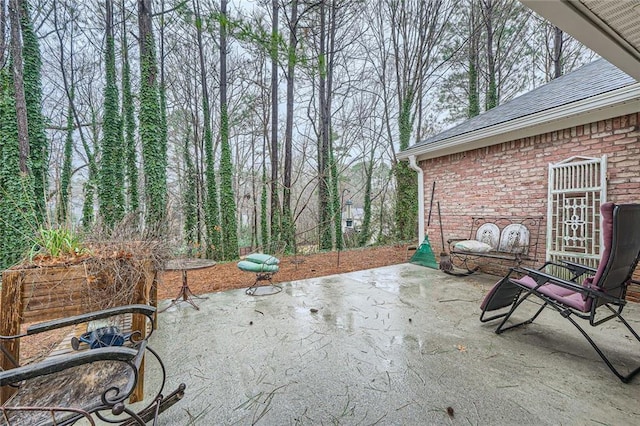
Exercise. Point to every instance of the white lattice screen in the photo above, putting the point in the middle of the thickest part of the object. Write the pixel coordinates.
(577, 187)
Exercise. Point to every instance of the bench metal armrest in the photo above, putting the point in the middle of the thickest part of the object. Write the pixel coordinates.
(57, 364)
(146, 310)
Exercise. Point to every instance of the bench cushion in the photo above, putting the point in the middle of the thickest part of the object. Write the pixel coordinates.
(245, 265)
(266, 259)
(472, 246)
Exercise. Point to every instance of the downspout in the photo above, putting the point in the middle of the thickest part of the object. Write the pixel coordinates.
(414, 166)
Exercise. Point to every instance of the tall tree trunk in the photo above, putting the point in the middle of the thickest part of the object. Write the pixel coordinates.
(365, 230)
(275, 205)
(557, 52)
(324, 172)
(111, 182)
(17, 200)
(18, 85)
(212, 209)
(288, 225)
(264, 225)
(154, 153)
(492, 89)
(406, 192)
(129, 123)
(63, 213)
(474, 46)
(38, 143)
(189, 199)
(227, 196)
(3, 35)
(336, 207)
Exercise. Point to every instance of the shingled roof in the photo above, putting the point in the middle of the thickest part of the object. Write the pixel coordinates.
(591, 80)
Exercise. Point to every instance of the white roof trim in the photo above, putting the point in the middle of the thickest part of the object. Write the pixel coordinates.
(625, 100)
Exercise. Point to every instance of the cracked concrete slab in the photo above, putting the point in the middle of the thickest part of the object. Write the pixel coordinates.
(399, 345)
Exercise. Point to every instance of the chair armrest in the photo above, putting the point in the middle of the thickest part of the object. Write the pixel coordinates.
(578, 267)
(60, 363)
(542, 278)
(146, 310)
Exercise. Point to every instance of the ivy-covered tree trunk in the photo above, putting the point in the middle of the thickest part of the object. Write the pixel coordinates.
(111, 182)
(324, 171)
(227, 196)
(154, 152)
(212, 210)
(336, 205)
(264, 223)
(365, 230)
(189, 198)
(17, 209)
(38, 144)
(407, 188)
(88, 213)
(63, 213)
(16, 191)
(162, 90)
(273, 53)
(129, 126)
(492, 88)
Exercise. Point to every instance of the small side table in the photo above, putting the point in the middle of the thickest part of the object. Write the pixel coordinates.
(184, 265)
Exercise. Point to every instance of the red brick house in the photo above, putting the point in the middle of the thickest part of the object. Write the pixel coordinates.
(516, 159)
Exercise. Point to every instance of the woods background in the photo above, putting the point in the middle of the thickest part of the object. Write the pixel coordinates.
(222, 124)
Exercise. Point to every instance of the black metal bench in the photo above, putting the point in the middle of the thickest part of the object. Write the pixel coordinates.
(87, 384)
(513, 240)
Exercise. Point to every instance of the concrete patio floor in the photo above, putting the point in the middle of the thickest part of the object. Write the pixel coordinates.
(399, 345)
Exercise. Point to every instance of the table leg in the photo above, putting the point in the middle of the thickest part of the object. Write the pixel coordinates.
(185, 294)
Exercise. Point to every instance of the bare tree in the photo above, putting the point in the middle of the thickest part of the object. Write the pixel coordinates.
(15, 8)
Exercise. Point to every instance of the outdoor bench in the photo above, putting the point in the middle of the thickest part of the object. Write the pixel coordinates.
(497, 239)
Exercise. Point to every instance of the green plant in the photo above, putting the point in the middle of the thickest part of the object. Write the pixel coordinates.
(57, 242)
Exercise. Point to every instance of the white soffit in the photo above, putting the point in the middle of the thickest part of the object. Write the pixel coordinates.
(610, 28)
(612, 104)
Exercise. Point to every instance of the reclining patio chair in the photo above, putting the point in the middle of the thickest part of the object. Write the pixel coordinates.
(93, 382)
(601, 290)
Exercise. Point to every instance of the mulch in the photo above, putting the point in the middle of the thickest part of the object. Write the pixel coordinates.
(227, 276)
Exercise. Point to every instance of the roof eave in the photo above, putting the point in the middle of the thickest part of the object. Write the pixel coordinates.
(615, 103)
(575, 19)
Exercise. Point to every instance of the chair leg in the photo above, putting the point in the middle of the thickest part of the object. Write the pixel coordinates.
(501, 327)
(267, 276)
(624, 378)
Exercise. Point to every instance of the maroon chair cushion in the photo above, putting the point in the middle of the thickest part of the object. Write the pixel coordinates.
(606, 213)
(563, 295)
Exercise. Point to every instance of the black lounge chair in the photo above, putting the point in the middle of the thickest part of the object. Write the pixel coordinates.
(601, 289)
(88, 384)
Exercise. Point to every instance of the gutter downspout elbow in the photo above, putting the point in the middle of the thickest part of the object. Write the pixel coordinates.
(414, 165)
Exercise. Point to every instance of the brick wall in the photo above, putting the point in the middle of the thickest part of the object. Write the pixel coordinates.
(511, 178)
